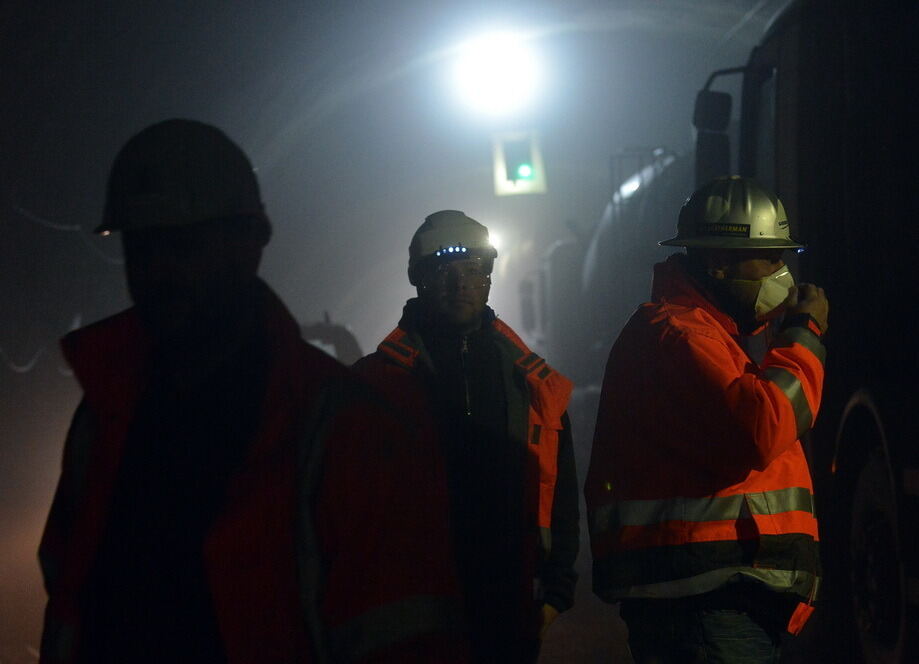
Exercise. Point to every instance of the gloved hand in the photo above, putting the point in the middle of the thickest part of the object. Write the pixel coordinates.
(549, 614)
(808, 299)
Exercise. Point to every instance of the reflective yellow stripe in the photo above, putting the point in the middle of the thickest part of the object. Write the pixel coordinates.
(791, 387)
(394, 623)
(784, 500)
(610, 518)
(803, 336)
(780, 580)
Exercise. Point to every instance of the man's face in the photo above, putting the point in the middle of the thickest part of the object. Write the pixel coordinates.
(747, 264)
(183, 278)
(736, 281)
(456, 293)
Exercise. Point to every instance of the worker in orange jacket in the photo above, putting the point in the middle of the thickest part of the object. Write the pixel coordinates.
(473, 388)
(230, 493)
(699, 497)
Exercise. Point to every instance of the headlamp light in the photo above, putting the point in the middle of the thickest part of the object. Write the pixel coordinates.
(456, 249)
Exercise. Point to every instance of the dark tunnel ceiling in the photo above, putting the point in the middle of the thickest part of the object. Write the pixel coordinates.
(78, 78)
(152, 50)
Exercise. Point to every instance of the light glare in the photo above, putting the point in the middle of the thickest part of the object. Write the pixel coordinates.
(630, 186)
(496, 74)
(494, 240)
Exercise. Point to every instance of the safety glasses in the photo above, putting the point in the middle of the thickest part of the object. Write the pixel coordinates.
(468, 272)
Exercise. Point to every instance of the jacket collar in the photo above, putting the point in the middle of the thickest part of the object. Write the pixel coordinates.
(111, 358)
(405, 346)
(674, 284)
(549, 391)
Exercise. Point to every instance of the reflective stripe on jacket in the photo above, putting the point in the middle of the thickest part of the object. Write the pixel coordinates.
(303, 566)
(548, 394)
(696, 474)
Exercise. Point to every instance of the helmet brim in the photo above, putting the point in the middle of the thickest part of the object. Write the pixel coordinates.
(731, 243)
(162, 218)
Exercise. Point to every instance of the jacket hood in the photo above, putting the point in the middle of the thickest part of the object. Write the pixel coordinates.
(673, 284)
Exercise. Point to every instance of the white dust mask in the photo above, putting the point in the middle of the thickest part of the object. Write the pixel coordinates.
(773, 291)
(759, 298)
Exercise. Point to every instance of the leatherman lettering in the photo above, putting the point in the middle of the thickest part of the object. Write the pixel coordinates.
(724, 230)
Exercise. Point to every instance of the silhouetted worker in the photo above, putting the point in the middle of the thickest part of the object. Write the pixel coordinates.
(499, 412)
(699, 497)
(228, 492)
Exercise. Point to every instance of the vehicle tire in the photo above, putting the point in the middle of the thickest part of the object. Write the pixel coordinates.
(876, 570)
(873, 576)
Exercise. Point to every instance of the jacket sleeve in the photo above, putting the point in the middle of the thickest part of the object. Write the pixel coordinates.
(66, 496)
(390, 592)
(558, 575)
(57, 630)
(743, 418)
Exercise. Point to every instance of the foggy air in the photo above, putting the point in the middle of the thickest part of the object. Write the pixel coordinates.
(473, 195)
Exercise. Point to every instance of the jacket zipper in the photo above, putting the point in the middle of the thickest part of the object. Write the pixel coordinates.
(464, 350)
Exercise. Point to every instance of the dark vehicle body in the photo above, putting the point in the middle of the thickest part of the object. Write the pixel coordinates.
(827, 114)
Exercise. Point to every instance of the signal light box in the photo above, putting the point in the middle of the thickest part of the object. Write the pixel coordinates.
(518, 164)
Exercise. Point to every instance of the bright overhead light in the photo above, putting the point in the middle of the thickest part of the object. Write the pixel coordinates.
(496, 73)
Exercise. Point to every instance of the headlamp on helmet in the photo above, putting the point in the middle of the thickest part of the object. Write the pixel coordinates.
(458, 249)
(448, 235)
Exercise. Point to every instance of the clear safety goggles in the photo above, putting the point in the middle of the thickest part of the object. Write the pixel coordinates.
(469, 272)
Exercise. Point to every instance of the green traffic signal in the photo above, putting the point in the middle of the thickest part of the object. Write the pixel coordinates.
(518, 160)
(518, 164)
(524, 171)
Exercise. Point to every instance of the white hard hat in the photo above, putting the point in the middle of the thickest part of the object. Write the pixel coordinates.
(448, 235)
(733, 212)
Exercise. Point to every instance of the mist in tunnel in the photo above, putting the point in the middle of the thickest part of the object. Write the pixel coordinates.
(351, 118)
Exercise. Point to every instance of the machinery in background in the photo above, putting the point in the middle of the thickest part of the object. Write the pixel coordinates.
(333, 338)
(585, 287)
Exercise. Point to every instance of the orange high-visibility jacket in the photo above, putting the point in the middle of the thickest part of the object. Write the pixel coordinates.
(331, 544)
(697, 476)
(393, 369)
